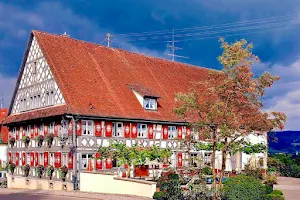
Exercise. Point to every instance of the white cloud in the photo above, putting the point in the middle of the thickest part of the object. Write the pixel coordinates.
(285, 95)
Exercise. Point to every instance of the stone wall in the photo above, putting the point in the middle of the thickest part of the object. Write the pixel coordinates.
(19, 182)
(106, 183)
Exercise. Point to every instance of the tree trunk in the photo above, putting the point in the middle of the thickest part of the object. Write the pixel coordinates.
(213, 160)
(224, 154)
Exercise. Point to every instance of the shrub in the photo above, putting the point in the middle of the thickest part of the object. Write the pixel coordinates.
(243, 187)
(159, 195)
(269, 189)
(173, 176)
(172, 190)
(256, 173)
(274, 197)
(271, 179)
(279, 192)
(207, 171)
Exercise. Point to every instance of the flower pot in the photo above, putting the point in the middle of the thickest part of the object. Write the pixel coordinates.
(141, 171)
(50, 177)
(63, 179)
(157, 189)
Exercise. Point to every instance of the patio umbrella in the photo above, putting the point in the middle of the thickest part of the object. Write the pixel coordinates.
(228, 163)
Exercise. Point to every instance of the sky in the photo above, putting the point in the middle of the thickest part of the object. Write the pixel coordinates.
(276, 39)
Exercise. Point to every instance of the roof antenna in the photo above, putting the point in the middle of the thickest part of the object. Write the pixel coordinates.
(108, 39)
(1, 103)
(65, 34)
(173, 48)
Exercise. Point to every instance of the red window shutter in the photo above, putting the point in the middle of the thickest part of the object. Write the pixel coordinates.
(98, 161)
(23, 158)
(78, 127)
(46, 159)
(134, 130)
(36, 158)
(127, 130)
(17, 158)
(57, 159)
(9, 157)
(165, 132)
(98, 129)
(150, 131)
(179, 159)
(179, 132)
(34, 131)
(70, 160)
(108, 163)
(17, 134)
(70, 128)
(188, 131)
(31, 159)
(108, 129)
(45, 130)
(56, 128)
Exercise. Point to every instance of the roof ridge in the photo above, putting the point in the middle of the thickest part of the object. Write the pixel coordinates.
(119, 49)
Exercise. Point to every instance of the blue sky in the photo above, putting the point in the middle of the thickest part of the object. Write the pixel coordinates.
(279, 50)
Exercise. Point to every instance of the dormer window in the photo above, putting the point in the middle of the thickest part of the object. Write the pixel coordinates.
(150, 104)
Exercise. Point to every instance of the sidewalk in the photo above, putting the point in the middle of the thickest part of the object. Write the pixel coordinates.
(289, 186)
(76, 194)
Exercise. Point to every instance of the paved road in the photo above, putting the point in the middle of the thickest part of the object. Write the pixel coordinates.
(14, 194)
(289, 186)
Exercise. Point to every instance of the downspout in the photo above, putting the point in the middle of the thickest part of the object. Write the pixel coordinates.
(74, 149)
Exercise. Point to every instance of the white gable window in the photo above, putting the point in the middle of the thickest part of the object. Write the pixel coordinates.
(142, 130)
(87, 127)
(118, 129)
(172, 131)
(150, 104)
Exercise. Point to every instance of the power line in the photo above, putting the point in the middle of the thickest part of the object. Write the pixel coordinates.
(211, 26)
(218, 36)
(215, 32)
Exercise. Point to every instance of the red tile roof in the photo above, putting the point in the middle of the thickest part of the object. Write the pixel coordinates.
(3, 129)
(94, 79)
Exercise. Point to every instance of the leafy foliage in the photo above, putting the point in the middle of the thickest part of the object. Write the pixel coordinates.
(243, 187)
(159, 195)
(26, 169)
(11, 167)
(63, 172)
(269, 189)
(207, 171)
(253, 172)
(172, 190)
(275, 195)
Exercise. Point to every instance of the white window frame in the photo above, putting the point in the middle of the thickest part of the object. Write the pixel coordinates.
(14, 132)
(142, 131)
(28, 129)
(51, 159)
(150, 104)
(28, 159)
(64, 159)
(87, 127)
(172, 132)
(118, 129)
(41, 129)
(41, 159)
(51, 127)
(84, 160)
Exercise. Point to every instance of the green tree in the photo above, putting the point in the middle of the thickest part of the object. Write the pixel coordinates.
(231, 100)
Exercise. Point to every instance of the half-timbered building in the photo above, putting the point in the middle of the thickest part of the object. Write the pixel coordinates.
(87, 95)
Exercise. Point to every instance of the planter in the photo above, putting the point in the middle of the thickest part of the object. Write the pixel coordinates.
(141, 171)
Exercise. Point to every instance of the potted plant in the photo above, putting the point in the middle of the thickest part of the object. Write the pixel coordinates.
(40, 140)
(50, 170)
(26, 140)
(63, 172)
(12, 142)
(26, 169)
(271, 180)
(11, 168)
(49, 139)
(39, 170)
